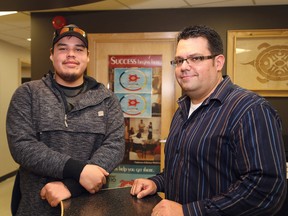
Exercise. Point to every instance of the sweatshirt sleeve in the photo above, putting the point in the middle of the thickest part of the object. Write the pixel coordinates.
(111, 152)
(24, 145)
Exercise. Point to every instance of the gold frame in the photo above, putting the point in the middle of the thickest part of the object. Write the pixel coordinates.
(249, 57)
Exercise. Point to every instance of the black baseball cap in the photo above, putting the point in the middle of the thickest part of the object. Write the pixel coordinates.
(70, 30)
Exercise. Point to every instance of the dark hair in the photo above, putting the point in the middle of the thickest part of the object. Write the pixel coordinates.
(215, 44)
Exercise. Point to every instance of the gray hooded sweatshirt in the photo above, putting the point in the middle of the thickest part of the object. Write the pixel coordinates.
(53, 143)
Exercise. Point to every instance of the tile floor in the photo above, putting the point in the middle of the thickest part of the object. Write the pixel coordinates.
(5, 196)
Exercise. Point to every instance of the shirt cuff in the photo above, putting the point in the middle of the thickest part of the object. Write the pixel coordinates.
(74, 187)
(73, 169)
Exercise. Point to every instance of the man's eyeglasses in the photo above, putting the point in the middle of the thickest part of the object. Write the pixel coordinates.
(191, 60)
(71, 28)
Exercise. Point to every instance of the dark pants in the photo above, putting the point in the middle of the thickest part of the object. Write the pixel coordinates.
(16, 195)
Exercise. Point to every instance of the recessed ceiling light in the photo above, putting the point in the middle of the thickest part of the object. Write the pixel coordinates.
(28, 39)
(3, 13)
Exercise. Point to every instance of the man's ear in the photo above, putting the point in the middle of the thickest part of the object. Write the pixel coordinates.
(88, 54)
(220, 61)
(51, 54)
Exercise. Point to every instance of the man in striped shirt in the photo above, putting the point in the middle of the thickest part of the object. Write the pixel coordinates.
(224, 154)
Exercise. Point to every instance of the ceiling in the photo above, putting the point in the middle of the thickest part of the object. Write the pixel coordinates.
(15, 29)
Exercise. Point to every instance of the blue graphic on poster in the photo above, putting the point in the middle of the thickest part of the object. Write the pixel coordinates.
(129, 80)
(133, 87)
(135, 105)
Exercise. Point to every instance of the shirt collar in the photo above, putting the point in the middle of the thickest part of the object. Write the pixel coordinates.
(221, 91)
(219, 94)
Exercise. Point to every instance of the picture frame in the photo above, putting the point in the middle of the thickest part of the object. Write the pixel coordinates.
(258, 60)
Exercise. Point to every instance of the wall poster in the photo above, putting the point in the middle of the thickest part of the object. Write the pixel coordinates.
(136, 81)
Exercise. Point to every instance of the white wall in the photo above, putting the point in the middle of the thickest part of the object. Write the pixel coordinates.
(9, 81)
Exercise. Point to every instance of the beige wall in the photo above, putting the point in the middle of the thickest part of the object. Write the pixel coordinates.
(10, 56)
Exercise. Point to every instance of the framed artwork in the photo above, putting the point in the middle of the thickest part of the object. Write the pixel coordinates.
(258, 60)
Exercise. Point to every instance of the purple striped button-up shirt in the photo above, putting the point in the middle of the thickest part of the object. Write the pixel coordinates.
(227, 158)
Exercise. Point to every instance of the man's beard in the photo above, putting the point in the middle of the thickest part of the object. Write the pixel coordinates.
(69, 77)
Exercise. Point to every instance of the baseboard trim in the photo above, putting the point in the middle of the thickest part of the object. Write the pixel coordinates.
(9, 175)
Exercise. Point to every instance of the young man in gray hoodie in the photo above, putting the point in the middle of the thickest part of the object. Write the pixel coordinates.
(66, 131)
